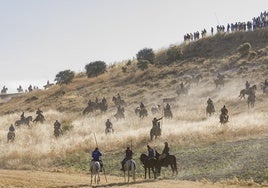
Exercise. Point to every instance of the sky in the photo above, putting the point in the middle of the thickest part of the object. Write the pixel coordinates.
(40, 38)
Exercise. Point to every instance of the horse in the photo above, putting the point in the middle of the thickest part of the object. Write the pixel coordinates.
(4, 90)
(20, 90)
(102, 106)
(219, 82)
(251, 100)
(224, 118)
(48, 85)
(25, 121)
(119, 114)
(210, 109)
(169, 160)
(264, 87)
(109, 130)
(58, 132)
(148, 164)
(130, 166)
(168, 113)
(155, 131)
(95, 171)
(39, 118)
(248, 91)
(10, 136)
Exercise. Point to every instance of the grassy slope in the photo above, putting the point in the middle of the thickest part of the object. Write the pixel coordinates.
(200, 154)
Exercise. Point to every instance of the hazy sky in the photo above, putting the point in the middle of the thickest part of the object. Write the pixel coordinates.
(39, 38)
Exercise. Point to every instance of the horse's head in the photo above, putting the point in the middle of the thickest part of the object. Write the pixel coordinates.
(143, 158)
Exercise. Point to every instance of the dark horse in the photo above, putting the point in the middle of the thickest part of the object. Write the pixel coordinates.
(168, 113)
(210, 109)
(251, 100)
(141, 112)
(155, 131)
(118, 101)
(224, 118)
(149, 164)
(169, 160)
(39, 118)
(248, 91)
(219, 82)
(25, 121)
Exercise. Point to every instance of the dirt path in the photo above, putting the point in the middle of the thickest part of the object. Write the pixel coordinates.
(34, 179)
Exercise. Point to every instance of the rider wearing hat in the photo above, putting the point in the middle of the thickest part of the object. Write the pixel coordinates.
(128, 156)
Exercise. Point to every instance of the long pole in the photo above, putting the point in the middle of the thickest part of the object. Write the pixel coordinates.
(102, 163)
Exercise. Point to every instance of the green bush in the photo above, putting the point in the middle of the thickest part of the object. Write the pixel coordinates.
(146, 54)
(95, 68)
(143, 64)
(243, 49)
(173, 53)
(64, 77)
(66, 125)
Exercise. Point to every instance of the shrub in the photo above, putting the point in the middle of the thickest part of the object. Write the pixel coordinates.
(66, 125)
(243, 49)
(173, 53)
(146, 54)
(143, 64)
(64, 77)
(129, 63)
(124, 69)
(95, 68)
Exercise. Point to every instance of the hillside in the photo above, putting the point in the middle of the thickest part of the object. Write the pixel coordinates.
(204, 148)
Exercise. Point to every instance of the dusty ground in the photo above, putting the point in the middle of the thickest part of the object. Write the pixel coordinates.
(32, 179)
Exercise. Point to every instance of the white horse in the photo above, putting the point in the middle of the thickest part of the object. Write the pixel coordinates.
(130, 166)
(95, 171)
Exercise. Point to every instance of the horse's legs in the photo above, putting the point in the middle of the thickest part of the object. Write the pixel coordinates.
(124, 175)
(98, 180)
(133, 174)
(128, 174)
(149, 173)
(145, 172)
(91, 178)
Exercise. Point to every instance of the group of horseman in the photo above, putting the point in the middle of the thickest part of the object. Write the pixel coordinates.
(224, 117)
(57, 125)
(152, 154)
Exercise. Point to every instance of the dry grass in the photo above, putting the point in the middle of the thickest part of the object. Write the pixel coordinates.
(36, 147)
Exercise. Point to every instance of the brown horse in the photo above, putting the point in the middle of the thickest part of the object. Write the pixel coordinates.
(169, 160)
(148, 164)
(248, 91)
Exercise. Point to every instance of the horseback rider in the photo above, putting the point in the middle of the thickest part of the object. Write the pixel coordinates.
(156, 123)
(104, 101)
(96, 100)
(151, 152)
(168, 107)
(11, 128)
(165, 151)
(57, 127)
(209, 101)
(40, 113)
(128, 156)
(22, 117)
(89, 103)
(224, 112)
(142, 106)
(108, 125)
(96, 154)
(118, 97)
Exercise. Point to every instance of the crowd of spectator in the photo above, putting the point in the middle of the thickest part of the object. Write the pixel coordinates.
(257, 22)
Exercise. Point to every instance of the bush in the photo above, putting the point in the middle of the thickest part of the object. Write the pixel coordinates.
(143, 64)
(66, 125)
(124, 69)
(252, 55)
(95, 68)
(243, 49)
(146, 54)
(173, 53)
(64, 77)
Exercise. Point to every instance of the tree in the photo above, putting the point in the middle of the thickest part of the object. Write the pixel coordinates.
(243, 49)
(95, 68)
(64, 77)
(146, 54)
